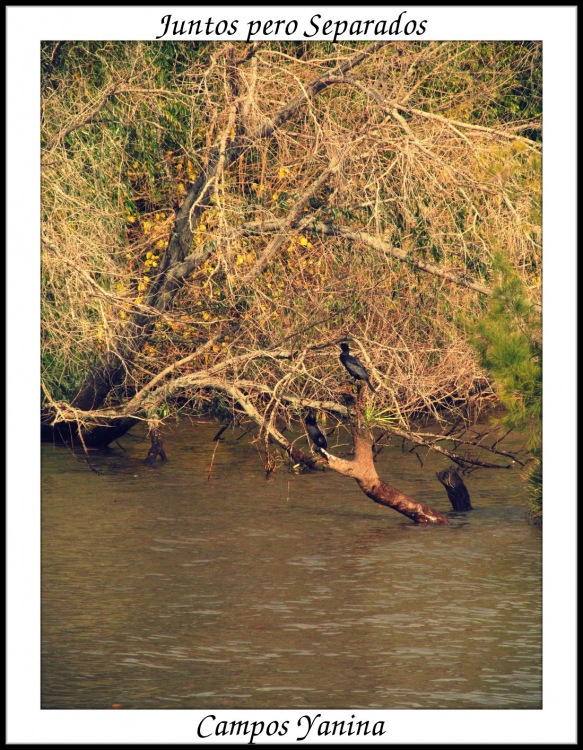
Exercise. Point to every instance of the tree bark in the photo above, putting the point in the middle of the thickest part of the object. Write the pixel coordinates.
(363, 470)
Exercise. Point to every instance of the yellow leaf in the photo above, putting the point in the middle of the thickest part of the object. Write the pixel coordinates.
(136, 164)
(149, 254)
(240, 259)
(130, 219)
(201, 228)
(205, 315)
(216, 348)
(232, 132)
(282, 172)
(303, 241)
(146, 278)
(122, 314)
(275, 196)
(138, 300)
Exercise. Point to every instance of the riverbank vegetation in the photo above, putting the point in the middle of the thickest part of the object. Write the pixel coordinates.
(217, 217)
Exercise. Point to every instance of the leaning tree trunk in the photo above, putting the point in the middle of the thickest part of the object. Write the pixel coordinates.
(363, 470)
(69, 432)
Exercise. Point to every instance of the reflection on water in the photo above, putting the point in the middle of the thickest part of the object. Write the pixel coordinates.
(164, 590)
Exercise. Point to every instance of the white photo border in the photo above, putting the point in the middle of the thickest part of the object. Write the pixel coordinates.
(26, 27)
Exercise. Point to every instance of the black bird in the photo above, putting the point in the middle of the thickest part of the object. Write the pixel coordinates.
(317, 436)
(354, 366)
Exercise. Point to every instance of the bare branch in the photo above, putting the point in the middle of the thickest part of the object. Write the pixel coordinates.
(379, 244)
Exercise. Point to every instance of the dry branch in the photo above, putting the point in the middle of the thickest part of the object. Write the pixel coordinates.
(377, 243)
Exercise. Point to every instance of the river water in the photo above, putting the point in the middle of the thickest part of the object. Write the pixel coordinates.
(162, 588)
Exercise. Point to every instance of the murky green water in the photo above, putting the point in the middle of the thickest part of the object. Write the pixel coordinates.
(164, 590)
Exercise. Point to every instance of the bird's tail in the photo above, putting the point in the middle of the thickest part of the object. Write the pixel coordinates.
(374, 390)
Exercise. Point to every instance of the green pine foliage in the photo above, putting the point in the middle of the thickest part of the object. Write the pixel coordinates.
(508, 340)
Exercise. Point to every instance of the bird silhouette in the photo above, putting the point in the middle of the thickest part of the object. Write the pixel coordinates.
(316, 435)
(354, 366)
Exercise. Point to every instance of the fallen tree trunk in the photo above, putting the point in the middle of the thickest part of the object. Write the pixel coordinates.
(363, 470)
(71, 432)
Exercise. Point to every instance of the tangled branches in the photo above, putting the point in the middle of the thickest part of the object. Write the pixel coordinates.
(206, 208)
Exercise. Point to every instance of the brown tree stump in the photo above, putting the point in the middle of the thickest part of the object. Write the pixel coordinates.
(156, 448)
(457, 491)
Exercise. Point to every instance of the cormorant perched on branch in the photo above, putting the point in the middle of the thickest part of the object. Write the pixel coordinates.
(314, 431)
(354, 366)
